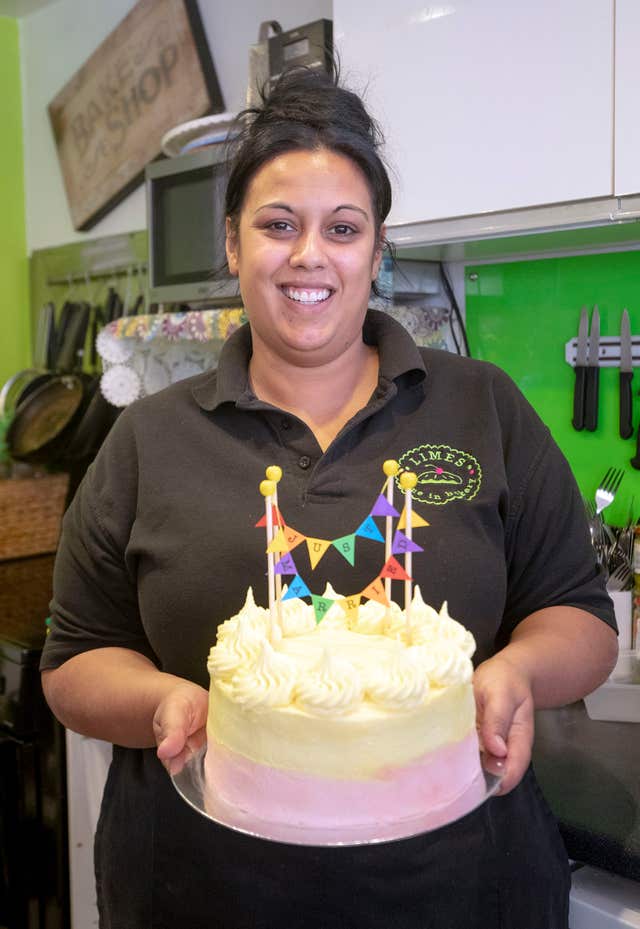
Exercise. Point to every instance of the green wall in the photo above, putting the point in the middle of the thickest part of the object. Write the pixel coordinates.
(521, 314)
(14, 274)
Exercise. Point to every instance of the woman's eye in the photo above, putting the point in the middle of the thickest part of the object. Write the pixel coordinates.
(342, 229)
(280, 225)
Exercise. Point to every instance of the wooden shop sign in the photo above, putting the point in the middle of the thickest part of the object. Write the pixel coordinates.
(153, 72)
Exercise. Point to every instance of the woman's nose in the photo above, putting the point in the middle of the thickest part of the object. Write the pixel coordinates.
(308, 251)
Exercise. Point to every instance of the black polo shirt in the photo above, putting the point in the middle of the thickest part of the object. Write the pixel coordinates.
(160, 545)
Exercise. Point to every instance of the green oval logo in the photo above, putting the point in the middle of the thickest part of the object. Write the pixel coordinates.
(444, 474)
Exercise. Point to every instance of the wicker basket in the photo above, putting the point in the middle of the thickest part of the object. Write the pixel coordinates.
(30, 514)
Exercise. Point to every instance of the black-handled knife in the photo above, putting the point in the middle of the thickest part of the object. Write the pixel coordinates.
(581, 371)
(635, 461)
(626, 377)
(593, 374)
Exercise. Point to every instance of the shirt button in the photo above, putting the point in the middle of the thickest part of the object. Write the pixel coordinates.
(304, 461)
(286, 424)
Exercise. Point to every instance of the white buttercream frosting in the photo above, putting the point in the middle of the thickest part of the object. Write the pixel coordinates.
(343, 664)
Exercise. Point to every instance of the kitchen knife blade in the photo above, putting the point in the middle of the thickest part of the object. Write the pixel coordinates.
(626, 377)
(593, 374)
(581, 370)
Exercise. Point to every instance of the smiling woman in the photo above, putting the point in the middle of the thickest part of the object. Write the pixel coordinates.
(155, 554)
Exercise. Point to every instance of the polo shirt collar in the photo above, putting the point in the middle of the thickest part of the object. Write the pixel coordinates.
(398, 353)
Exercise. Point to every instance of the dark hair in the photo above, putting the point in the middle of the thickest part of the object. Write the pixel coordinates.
(305, 110)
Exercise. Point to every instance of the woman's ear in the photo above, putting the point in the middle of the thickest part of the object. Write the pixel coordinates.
(377, 255)
(231, 246)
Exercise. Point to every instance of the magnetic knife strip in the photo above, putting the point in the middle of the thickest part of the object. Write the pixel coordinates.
(609, 351)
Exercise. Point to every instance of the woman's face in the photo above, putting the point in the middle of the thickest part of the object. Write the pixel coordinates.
(306, 251)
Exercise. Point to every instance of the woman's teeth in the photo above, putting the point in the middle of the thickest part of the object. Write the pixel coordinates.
(306, 296)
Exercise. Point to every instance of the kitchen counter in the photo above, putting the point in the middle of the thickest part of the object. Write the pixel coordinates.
(589, 772)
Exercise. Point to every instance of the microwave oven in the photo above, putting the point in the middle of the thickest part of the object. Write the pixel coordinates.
(186, 226)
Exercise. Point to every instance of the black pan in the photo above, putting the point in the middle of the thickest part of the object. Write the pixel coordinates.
(99, 415)
(45, 417)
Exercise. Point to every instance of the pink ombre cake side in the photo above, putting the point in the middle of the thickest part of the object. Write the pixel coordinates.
(274, 795)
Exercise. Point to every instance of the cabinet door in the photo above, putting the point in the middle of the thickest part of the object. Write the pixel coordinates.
(486, 104)
(627, 76)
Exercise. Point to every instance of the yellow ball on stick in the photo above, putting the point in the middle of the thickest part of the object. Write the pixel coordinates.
(274, 473)
(390, 467)
(267, 488)
(408, 480)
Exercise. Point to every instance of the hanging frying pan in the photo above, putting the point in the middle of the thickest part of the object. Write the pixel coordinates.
(11, 392)
(43, 420)
(99, 415)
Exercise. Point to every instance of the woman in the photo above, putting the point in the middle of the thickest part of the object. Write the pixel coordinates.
(158, 548)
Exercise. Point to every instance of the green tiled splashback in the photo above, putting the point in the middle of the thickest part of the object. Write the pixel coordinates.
(521, 314)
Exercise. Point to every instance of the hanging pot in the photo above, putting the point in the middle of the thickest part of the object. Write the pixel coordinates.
(99, 415)
(44, 418)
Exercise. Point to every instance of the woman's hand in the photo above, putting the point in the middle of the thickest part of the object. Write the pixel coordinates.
(179, 725)
(504, 712)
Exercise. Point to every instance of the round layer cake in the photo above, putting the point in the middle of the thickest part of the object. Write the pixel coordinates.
(343, 722)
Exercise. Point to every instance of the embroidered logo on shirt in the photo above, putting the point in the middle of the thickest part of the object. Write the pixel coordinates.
(444, 473)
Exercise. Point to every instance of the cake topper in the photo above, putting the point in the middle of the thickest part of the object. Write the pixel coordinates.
(283, 539)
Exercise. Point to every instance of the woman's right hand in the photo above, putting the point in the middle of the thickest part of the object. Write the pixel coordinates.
(179, 724)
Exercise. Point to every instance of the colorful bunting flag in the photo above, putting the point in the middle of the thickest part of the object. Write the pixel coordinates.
(415, 520)
(375, 591)
(347, 547)
(321, 606)
(369, 530)
(278, 543)
(297, 588)
(285, 565)
(276, 516)
(394, 570)
(401, 544)
(350, 605)
(382, 507)
(293, 537)
(317, 548)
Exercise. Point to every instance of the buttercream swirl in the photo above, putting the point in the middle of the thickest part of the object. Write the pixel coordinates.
(240, 646)
(402, 686)
(333, 686)
(443, 662)
(269, 682)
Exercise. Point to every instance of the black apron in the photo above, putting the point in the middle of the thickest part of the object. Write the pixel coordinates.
(161, 865)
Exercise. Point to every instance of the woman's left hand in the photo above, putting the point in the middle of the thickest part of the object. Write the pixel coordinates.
(505, 721)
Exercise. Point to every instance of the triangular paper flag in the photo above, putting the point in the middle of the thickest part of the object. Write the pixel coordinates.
(275, 515)
(394, 570)
(321, 606)
(375, 591)
(350, 606)
(278, 543)
(297, 588)
(401, 544)
(293, 537)
(415, 520)
(285, 565)
(317, 548)
(347, 547)
(382, 507)
(369, 530)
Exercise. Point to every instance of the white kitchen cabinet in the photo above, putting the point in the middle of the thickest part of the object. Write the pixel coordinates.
(627, 84)
(487, 105)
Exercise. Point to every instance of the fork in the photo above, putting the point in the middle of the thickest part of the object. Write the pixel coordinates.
(620, 579)
(608, 488)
